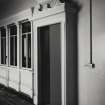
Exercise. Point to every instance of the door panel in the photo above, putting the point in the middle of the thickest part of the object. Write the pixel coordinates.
(43, 66)
(49, 65)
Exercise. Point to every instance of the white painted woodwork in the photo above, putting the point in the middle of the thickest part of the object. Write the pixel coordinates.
(21, 79)
(58, 18)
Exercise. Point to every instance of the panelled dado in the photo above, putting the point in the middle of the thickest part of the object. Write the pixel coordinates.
(19, 62)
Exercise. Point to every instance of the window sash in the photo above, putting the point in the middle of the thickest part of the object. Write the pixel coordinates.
(12, 45)
(26, 47)
(13, 50)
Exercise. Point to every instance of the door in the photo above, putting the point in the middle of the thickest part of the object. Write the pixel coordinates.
(50, 60)
(49, 64)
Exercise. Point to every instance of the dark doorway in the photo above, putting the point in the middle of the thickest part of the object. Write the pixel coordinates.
(49, 65)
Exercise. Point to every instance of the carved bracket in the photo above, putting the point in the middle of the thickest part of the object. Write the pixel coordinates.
(45, 4)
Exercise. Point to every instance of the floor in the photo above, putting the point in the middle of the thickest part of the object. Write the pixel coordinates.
(10, 97)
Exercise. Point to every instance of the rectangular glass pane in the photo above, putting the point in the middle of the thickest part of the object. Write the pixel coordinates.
(29, 50)
(13, 30)
(3, 50)
(3, 32)
(26, 27)
(15, 52)
(11, 51)
(24, 51)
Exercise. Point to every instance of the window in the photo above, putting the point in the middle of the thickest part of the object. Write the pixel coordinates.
(13, 44)
(26, 44)
(3, 45)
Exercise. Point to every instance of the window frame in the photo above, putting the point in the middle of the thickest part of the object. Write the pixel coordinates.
(20, 47)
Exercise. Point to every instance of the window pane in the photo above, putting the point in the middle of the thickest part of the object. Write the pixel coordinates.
(15, 51)
(3, 32)
(3, 45)
(11, 50)
(26, 27)
(24, 51)
(13, 30)
(29, 51)
(3, 50)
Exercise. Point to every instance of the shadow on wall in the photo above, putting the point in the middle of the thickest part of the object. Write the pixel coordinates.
(72, 11)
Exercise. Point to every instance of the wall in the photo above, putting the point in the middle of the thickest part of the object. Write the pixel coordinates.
(92, 81)
(16, 79)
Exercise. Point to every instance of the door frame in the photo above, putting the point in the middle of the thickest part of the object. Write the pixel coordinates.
(53, 19)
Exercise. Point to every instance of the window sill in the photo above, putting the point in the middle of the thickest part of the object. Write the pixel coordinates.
(26, 69)
(12, 66)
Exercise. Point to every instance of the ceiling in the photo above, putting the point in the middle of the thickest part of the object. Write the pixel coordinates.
(9, 7)
(2, 1)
